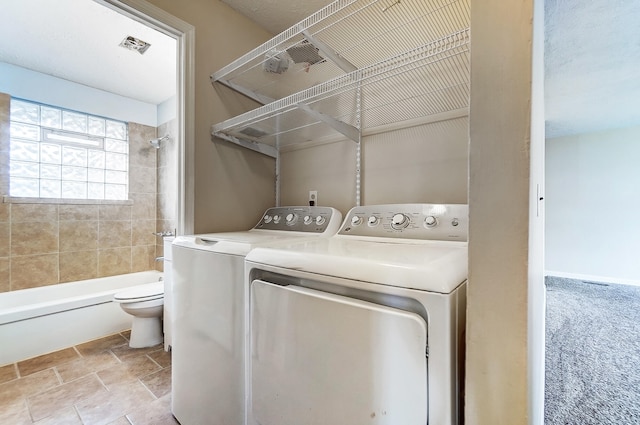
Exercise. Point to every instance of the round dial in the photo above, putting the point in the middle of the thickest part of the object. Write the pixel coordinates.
(430, 221)
(455, 222)
(291, 219)
(320, 220)
(268, 218)
(276, 218)
(356, 221)
(399, 221)
(307, 219)
(373, 221)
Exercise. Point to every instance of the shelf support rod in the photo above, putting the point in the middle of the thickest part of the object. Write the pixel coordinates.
(347, 130)
(260, 98)
(249, 144)
(335, 57)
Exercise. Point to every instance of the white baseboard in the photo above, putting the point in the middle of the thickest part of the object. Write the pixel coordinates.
(592, 278)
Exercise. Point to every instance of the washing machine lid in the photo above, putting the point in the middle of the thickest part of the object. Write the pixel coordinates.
(238, 243)
(142, 292)
(435, 266)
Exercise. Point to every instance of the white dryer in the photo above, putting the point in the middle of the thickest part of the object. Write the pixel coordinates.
(365, 327)
(209, 335)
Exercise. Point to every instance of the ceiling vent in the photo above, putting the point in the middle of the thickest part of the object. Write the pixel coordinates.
(136, 44)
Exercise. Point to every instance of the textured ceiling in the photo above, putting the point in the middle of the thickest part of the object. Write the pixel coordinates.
(276, 15)
(592, 65)
(78, 40)
(592, 53)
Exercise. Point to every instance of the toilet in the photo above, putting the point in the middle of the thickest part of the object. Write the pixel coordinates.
(145, 303)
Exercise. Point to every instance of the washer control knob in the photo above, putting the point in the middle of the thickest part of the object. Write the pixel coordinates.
(276, 218)
(307, 219)
(454, 222)
(430, 221)
(356, 221)
(320, 220)
(267, 219)
(291, 219)
(373, 221)
(399, 221)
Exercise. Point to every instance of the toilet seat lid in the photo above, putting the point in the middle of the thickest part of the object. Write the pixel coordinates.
(142, 292)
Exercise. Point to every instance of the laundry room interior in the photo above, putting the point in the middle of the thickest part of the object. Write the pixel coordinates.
(397, 103)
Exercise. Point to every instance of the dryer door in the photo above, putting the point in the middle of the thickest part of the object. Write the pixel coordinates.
(319, 358)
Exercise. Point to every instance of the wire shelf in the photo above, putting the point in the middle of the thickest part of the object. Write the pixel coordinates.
(427, 80)
(350, 34)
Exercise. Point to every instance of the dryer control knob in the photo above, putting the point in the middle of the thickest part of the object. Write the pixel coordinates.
(320, 220)
(430, 221)
(291, 219)
(373, 221)
(356, 221)
(267, 219)
(276, 219)
(399, 221)
(307, 219)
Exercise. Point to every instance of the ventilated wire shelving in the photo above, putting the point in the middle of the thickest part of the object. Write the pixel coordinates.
(354, 66)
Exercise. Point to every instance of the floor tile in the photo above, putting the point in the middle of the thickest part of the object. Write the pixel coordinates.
(65, 395)
(102, 344)
(8, 373)
(15, 414)
(121, 421)
(102, 382)
(103, 408)
(159, 383)
(163, 358)
(36, 364)
(38, 382)
(156, 413)
(124, 352)
(66, 416)
(86, 365)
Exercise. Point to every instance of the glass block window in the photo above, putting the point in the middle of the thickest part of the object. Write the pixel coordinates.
(56, 153)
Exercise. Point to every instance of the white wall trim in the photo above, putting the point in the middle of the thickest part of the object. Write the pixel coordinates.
(184, 33)
(592, 278)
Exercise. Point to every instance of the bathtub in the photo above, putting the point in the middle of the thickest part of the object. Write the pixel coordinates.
(37, 321)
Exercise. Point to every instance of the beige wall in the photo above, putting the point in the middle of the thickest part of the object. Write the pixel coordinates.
(499, 164)
(233, 186)
(48, 243)
(426, 163)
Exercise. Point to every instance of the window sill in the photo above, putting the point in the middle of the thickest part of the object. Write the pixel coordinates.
(57, 201)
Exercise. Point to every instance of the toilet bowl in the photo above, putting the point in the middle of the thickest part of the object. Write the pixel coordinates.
(145, 303)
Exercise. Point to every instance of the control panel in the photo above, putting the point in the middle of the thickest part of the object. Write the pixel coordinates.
(301, 219)
(442, 222)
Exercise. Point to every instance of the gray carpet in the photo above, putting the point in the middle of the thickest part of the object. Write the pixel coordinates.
(592, 353)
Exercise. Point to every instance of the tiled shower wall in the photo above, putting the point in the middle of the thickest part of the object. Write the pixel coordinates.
(167, 188)
(48, 243)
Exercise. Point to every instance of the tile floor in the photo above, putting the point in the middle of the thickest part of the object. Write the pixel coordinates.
(99, 382)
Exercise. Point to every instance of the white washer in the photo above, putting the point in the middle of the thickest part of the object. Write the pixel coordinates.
(365, 327)
(209, 334)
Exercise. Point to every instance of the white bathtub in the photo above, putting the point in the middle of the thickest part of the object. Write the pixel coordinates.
(37, 321)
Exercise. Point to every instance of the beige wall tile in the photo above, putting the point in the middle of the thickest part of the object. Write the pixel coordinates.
(112, 234)
(5, 239)
(142, 232)
(115, 212)
(78, 212)
(144, 206)
(141, 152)
(114, 261)
(142, 179)
(78, 265)
(5, 274)
(33, 212)
(34, 271)
(143, 258)
(5, 211)
(78, 235)
(30, 238)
